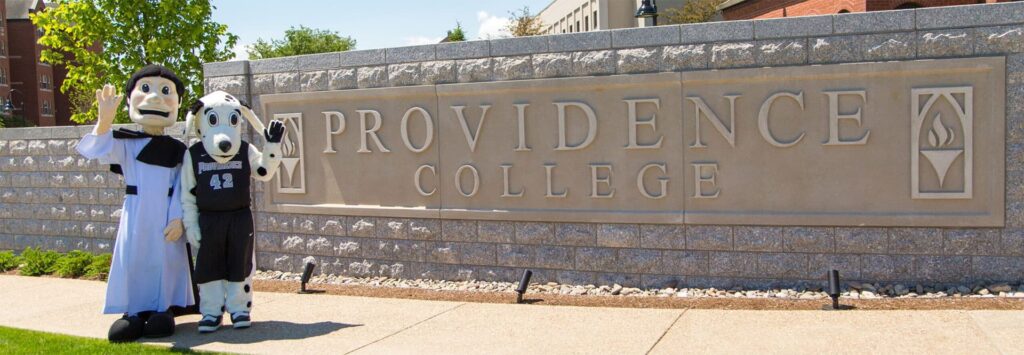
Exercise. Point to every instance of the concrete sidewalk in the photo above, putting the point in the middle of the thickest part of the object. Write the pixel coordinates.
(321, 324)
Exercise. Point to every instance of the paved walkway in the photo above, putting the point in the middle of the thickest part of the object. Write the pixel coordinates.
(293, 323)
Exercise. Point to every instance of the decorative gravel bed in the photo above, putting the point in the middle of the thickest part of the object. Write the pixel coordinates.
(853, 290)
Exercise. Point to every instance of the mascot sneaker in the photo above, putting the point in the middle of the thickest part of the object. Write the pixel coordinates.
(128, 328)
(209, 324)
(240, 320)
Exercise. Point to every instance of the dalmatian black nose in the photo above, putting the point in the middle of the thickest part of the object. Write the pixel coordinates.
(225, 146)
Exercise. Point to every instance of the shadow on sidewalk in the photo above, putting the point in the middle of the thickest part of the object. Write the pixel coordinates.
(186, 335)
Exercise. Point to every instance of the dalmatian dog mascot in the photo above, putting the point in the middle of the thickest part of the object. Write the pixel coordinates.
(149, 275)
(215, 199)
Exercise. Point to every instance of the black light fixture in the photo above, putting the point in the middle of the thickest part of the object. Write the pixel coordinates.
(524, 282)
(834, 292)
(306, 274)
(9, 105)
(648, 8)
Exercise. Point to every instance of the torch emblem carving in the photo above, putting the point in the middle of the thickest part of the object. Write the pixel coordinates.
(942, 146)
(293, 179)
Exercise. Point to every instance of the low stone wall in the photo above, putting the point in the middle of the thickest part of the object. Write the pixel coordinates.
(54, 198)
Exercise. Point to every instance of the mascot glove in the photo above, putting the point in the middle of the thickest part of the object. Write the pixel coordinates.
(275, 132)
(192, 234)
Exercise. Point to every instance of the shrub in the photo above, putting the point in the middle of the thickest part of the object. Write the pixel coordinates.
(73, 264)
(38, 262)
(99, 268)
(9, 261)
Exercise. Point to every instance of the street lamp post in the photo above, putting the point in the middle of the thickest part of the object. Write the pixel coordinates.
(9, 105)
(648, 8)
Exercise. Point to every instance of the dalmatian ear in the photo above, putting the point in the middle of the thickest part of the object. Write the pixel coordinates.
(254, 121)
(191, 128)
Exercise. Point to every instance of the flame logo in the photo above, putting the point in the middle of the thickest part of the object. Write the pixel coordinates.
(287, 146)
(940, 135)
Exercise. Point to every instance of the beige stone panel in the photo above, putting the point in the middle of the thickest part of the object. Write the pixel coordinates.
(365, 168)
(794, 171)
(816, 332)
(572, 161)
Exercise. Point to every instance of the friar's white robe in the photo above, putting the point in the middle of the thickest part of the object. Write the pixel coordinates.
(148, 273)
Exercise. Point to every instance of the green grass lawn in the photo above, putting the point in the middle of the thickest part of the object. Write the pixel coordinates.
(18, 341)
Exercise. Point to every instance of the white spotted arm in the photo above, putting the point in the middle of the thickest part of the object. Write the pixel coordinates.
(264, 164)
(190, 212)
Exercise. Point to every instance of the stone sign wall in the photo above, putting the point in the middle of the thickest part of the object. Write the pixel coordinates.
(886, 145)
(857, 144)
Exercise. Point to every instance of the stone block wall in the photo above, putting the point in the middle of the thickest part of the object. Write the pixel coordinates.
(654, 255)
(54, 198)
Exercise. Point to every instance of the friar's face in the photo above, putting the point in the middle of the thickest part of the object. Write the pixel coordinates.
(154, 102)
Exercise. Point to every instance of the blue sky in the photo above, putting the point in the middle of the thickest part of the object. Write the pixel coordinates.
(373, 24)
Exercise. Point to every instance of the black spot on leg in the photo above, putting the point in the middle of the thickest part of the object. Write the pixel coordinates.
(248, 304)
(261, 171)
(272, 155)
(246, 288)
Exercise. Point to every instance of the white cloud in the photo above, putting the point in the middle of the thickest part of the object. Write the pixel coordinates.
(492, 26)
(240, 52)
(418, 40)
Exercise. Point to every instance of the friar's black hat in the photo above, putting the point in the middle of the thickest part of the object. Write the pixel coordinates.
(154, 70)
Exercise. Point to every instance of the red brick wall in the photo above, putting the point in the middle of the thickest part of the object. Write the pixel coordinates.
(752, 9)
(5, 65)
(24, 69)
(61, 101)
(26, 76)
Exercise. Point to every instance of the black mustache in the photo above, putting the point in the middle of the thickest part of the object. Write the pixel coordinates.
(154, 112)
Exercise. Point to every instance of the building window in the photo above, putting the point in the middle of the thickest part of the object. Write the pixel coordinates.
(578, 28)
(595, 20)
(3, 49)
(45, 82)
(46, 108)
(3, 76)
(586, 21)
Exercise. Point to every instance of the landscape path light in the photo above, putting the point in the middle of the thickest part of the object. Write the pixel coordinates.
(524, 282)
(834, 292)
(306, 273)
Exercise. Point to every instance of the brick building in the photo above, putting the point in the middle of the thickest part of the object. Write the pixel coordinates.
(33, 86)
(757, 9)
(5, 62)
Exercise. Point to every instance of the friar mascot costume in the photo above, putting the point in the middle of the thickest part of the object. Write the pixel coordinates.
(150, 270)
(215, 197)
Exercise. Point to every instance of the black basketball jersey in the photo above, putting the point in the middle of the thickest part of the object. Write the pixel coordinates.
(221, 187)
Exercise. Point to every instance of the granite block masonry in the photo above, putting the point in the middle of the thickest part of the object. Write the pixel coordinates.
(750, 153)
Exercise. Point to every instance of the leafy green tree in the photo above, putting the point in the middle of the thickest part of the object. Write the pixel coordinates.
(456, 35)
(105, 41)
(695, 11)
(302, 40)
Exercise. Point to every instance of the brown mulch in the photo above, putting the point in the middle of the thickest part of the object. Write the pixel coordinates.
(946, 303)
